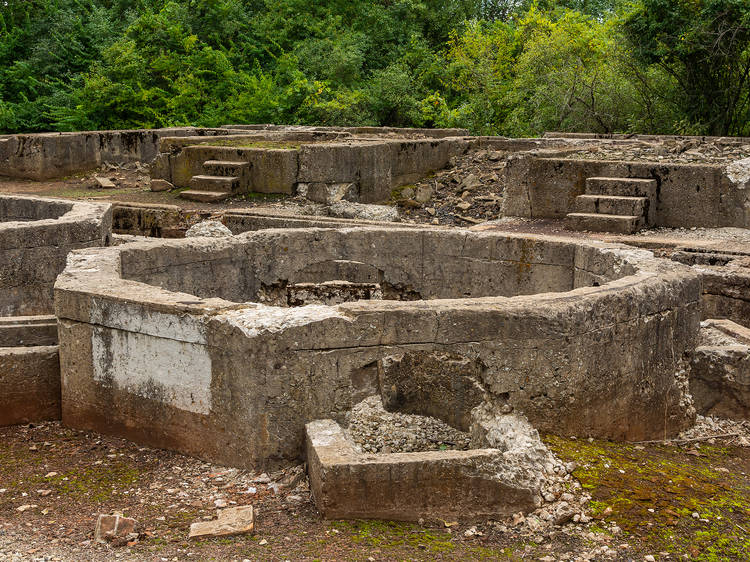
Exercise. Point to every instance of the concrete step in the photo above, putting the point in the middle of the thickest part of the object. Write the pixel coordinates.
(595, 222)
(225, 167)
(204, 196)
(225, 184)
(626, 187)
(611, 205)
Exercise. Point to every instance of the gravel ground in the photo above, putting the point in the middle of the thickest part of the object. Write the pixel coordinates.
(711, 430)
(689, 151)
(87, 474)
(727, 234)
(374, 430)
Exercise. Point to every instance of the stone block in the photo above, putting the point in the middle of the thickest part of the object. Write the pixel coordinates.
(111, 527)
(230, 521)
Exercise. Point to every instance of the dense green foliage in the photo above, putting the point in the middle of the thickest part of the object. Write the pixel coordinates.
(513, 67)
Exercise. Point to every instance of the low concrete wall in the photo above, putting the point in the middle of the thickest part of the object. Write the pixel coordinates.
(465, 485)
(56, 155)
(375, 167)
(36, 235)
(159, 343)
(687, 194)
(29, 370)
(637, 137)
(29, 384)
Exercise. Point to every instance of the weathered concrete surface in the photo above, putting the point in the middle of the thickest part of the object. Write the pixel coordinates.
(54, 155)
(29, 384)
(687, 194)
(271, 170)
(726, 290)
(245, 220)
(369, 168)
(36, 235)
(450, 485)
(142, 219)
(720, 374)
(160, 344)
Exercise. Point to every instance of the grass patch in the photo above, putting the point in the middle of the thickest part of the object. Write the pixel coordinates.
(393, 534)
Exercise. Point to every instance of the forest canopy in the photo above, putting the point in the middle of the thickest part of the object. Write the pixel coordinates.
(507, 67)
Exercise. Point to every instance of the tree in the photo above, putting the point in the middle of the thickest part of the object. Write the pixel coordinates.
(705, 46)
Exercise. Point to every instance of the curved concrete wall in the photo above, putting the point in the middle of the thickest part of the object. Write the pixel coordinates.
(235, 383)
(433, 264)
(36, 236)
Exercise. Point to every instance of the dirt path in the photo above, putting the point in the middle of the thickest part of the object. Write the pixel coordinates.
(54, 481)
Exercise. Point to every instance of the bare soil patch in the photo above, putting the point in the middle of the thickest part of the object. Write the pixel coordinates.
(66, 478)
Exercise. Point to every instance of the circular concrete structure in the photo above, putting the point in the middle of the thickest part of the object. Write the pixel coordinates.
(197, 344)
(36, 235)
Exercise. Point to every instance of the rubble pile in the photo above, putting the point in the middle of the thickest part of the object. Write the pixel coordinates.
(687, 151)
(375, 430)
(469, 191)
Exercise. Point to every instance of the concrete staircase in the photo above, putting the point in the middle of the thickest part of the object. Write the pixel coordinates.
(221, 179)
(619, 205)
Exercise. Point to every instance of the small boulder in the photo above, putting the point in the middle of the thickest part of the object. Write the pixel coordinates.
(212, 229)
(161, 185)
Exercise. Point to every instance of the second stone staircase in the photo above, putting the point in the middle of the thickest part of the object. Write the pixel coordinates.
(618, 205)
(222, 179)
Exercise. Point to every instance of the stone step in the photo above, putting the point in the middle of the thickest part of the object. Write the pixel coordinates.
(596, 222)
(611, 205)
(225, 184)
(204, 196)
(225, 167)
(626, 187)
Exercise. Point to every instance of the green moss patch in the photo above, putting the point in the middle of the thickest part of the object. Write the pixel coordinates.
(652, 492)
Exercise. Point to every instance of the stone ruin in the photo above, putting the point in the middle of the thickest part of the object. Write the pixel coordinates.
(36, 236)
(256, 339)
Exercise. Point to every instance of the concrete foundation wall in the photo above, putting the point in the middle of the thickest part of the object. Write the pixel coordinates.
(720, 374)
(687, 194)
(428, 264)
(56, 155)
(235, 383)
(29, 384)
(374, 166)
(36, 236)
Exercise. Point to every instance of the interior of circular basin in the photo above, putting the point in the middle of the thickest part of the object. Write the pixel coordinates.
(23, 210)
(318, 266)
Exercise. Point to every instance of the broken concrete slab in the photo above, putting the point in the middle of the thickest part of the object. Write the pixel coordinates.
(160, 185)
(720, 374)
(114, 526)
(231, 521)
(104, 183)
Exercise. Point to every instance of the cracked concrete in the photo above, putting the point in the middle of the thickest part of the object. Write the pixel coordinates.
(582, 338)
